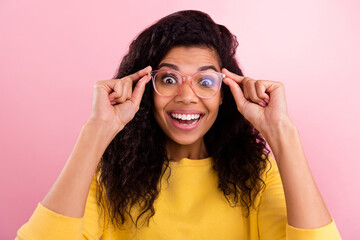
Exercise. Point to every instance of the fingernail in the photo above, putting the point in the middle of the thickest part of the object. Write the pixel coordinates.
(263, 104)
(111, 99)
(266, 100)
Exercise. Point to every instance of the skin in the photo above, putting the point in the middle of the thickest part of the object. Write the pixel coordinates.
(184, 143)
(261, 102)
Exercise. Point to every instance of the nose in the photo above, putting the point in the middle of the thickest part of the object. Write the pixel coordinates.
(186, 93)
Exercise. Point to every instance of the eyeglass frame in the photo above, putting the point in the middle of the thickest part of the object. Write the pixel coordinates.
(183, 79)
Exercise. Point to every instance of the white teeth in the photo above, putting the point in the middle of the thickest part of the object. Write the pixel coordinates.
(185, 116)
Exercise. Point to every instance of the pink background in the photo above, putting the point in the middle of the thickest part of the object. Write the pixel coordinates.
(52, 52)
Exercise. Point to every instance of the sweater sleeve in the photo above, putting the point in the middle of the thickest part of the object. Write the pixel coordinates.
(272, 220)
(47, 224)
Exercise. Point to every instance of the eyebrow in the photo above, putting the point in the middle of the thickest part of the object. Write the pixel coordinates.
(173, 66)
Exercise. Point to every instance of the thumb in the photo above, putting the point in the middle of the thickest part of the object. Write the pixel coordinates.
(139, 90)
(237, 93)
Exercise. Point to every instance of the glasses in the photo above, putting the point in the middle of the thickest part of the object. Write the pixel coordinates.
(168, 83)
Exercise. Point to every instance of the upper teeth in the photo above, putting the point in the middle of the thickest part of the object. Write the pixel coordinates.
(185, 116)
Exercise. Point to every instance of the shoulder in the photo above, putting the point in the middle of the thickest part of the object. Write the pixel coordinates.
(271, 170)
(270, 176)
(94, 215)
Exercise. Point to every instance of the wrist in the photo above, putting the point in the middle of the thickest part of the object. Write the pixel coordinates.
(106, 127)
(101, 130)
(280, 135)
(94, 139)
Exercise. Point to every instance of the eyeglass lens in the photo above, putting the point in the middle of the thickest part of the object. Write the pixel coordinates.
(205, 84)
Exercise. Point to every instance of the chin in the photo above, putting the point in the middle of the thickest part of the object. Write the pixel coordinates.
(185, 139)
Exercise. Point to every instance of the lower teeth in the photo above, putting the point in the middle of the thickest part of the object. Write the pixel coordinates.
(195, 121)
(191, 123)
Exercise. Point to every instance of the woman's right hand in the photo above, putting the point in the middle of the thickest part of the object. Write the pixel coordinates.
(115, 102)
(114, 105)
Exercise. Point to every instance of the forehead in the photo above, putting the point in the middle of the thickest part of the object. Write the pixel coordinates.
(188, 59)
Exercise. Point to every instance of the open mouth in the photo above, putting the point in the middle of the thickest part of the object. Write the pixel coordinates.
(186, 119)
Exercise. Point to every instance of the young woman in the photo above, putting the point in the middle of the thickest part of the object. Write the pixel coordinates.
(184, 157)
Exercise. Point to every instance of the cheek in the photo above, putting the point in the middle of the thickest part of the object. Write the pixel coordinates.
(159, 106)
(215, 103)
(214, 112)
(213, 107)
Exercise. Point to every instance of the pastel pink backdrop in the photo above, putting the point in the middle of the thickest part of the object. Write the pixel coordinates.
(52, 52)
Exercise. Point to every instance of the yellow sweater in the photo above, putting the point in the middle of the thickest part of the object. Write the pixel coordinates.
(189, 207)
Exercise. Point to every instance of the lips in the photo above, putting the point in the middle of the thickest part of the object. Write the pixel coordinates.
(185, 120)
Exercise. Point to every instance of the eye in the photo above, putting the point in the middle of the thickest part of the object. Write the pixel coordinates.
(169, 79)
(206, 82)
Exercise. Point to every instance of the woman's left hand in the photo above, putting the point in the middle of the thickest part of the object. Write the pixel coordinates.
(270, 120)
(261, 102)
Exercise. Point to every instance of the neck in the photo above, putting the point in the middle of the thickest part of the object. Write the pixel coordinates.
(176, 152)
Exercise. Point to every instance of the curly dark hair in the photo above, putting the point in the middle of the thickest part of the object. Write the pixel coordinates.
(136, 159)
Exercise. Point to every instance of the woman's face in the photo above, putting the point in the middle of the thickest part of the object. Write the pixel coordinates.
(169, 111)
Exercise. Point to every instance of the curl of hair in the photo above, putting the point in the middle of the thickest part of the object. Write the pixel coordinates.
(136, 159)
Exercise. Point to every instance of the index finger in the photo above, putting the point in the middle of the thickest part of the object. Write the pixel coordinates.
(139, 74)
(233, 76)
